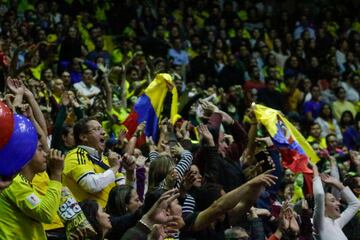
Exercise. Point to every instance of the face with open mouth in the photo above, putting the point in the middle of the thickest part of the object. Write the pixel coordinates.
(95, 136)
(332, 206)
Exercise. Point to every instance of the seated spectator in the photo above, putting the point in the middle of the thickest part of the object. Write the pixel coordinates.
(352, 135)
(346, 121)
(351, 87)
(86, 89)
(327, 123)
(315, 136)
(179, 56)
(341, 104)
(312, 108)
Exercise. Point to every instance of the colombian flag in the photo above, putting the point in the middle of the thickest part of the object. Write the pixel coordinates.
(150, 105)
(294, 149)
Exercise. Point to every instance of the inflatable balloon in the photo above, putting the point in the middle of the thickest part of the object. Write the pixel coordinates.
(20, 148)
(6, 124)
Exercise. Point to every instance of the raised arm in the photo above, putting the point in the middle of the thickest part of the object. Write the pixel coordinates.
(246, 194)
(334, 172)
(319, 197)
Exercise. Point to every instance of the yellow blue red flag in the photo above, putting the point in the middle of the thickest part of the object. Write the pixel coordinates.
(294, 149)
(150, 105)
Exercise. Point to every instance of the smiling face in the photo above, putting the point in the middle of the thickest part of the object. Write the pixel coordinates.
(198, 178)
(332, 206)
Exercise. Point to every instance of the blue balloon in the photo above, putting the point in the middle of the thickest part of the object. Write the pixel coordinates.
(20, 148)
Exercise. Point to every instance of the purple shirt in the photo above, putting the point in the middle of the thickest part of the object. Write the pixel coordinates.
(313, 107)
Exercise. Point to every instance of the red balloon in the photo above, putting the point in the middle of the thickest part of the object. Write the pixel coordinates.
(6, 124)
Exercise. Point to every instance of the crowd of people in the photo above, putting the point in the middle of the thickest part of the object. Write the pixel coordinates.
(76, 69)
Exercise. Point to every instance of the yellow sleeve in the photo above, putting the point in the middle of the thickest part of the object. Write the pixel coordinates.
(31, 203)
(77, 164)
(41, 184)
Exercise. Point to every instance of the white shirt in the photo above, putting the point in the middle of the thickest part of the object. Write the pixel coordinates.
(86, 91)
(351, 94)
(327, 228)
(96, 182)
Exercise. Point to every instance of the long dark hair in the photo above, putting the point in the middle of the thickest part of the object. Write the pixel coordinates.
(342, 122)
(322, 115)
(90, 208)
(119, 197)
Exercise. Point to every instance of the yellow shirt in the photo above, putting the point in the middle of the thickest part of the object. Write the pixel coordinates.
(294, 100)
(41, 184)
(78, 165)
(322, 143)
(23, 209)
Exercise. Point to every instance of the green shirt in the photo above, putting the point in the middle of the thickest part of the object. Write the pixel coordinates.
(23, 209)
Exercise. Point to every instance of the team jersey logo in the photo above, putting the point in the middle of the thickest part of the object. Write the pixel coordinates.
(33, 200)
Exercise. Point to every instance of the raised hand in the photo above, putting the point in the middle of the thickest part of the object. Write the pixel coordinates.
(206, 135)
(140, 128)
(188, 181)
(65, 99)
(164, 126)
(129, 163)
(56, 164)
(15, 85)
(114, 160)
(176, 150)
(150, 142)
(158, 213)
(314, 168)
(266, 140)
(265, 179)
(140, 161)
(171, 179)
(208, 107)
(332, 181)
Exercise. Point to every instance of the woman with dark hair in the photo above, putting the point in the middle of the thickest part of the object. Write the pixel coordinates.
(346, 121)
(112, 224)
(98, 219)
(328, 123)
(154, 218)
(122, 200)
(124, 208)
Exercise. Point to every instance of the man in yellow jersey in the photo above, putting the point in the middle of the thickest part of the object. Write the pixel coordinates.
(22, 208)
(87, 172)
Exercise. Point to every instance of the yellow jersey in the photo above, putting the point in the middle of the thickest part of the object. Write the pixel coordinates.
(78, 165)
(41, 185)
(23, 209)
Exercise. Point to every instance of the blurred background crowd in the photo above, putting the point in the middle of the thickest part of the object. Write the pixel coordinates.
(76, 69)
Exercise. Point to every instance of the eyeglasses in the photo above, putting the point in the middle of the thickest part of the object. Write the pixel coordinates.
(97, 129)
